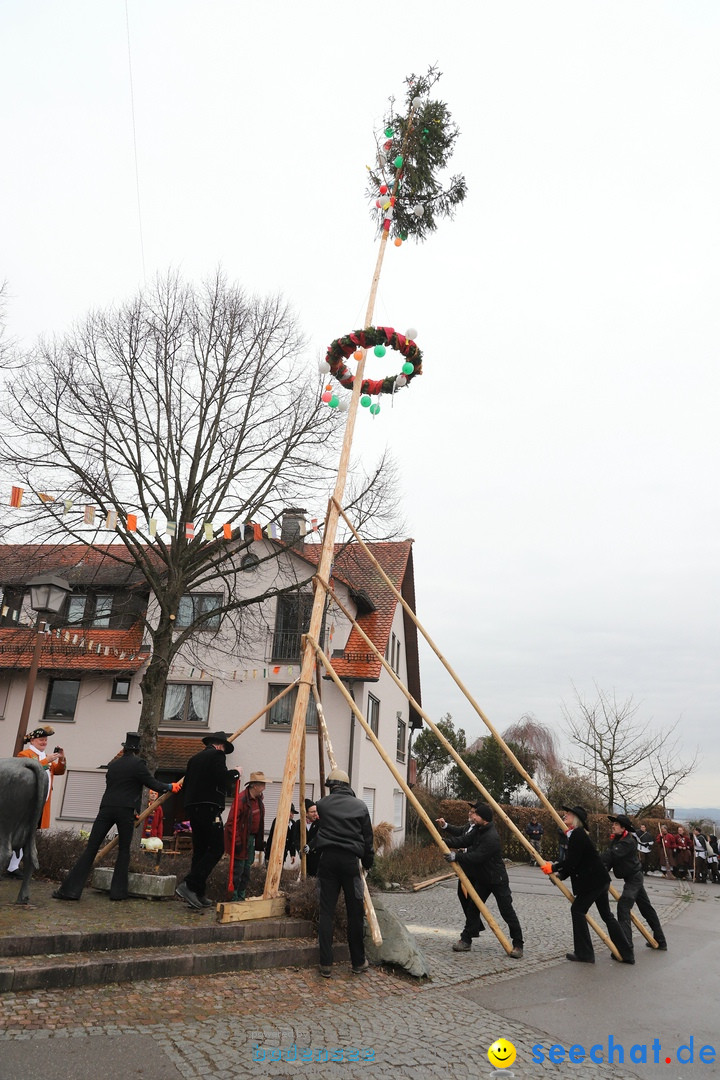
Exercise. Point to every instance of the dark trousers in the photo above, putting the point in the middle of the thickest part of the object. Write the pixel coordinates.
(241, 870)
(208, 840)
(339, 869)
(474, 924)
(701, 870)
(582, 942)
(634, 893)
(123, 817)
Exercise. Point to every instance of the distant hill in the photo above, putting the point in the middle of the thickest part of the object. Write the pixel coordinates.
(697, 813)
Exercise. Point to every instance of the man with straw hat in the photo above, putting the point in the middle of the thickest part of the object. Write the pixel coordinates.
(245, 831)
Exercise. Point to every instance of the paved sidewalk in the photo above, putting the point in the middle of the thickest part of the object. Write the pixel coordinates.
(240, 1025)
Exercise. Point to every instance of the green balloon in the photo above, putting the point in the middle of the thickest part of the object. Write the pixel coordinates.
(407, 368)
(365, 401)
(374, 409)
(334, 402)
(389, 132)
(398, 161)
(379, 350)
(403, 236)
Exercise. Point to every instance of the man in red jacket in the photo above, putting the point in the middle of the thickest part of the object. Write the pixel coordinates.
(246, 821)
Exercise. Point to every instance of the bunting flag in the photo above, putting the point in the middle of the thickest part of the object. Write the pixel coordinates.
(272, 531)
(208, 529)
(16, 496)
(170, 528)
(189, 530)
(314, 523)
(45, 498)
(89, 515)
(152, 527)
(132, 523)
(68, 507)
(227, 531)
(111, 519)
(257, 531)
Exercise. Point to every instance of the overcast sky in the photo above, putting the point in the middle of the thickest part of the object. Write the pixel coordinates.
(560, 452)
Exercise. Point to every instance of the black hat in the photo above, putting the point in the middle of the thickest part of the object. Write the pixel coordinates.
(579, 812)
(622, 820)
(482, 810)
(292, 808)
(219, 736)
(132, 741)
(309, 803)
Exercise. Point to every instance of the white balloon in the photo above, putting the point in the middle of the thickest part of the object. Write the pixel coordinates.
(411, 333)
(343, 405)
(323, 367)
(389, 213)
(416, 101)
(418, 210)
(401, 380)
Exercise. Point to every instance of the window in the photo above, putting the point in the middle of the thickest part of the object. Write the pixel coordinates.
(194, 605)
(76, 609)
(271, 798)
(120, 689)
(279, 718)
(398, 803)
(82, 795)
(62, 699)
(368, 796)
(373, 714)
(401, 735)
(103, 610)
(292, 621)
(396, 665)
(187, 705)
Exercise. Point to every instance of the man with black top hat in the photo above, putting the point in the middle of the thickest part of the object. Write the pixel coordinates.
(623, 859)
(206, 783)
(590, 883)
(126, 777)
(483, 863)
(309, 847)
(290, 845)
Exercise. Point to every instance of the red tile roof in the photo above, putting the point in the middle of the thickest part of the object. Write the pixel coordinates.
(174, 751)
(67, 650)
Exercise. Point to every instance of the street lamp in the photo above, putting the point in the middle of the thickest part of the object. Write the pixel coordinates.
(47, 596)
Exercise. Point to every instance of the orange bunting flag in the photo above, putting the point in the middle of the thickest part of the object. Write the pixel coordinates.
(89, 515)
(257, 531)
(227, 531)
(45, 498)
(132, 523)
(16, 496)
(189, 530)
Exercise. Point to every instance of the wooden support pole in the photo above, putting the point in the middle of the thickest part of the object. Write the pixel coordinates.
(468, 772)
(493, 731)
(429, 823)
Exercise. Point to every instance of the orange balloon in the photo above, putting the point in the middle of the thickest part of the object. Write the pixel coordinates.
(358, 354)
(398, 241)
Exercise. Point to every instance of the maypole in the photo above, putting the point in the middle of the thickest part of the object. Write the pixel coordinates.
(407, 198)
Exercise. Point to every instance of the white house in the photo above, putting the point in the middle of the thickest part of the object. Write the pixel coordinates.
(93, 657)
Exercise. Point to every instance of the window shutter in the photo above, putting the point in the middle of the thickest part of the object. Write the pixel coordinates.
(83, 792)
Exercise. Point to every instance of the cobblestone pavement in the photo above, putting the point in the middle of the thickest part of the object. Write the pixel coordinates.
(249, 1024)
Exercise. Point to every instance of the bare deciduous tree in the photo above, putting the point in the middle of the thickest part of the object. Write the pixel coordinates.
(185, 405)
(630, 764)
(540, 741)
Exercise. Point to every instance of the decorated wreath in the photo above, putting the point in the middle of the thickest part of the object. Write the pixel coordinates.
(377, 338)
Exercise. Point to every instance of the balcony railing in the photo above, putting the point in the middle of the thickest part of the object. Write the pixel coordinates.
(286, 646)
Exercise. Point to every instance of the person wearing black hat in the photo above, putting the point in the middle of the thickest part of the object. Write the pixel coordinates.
(483, 863)
(309, 847)
(290, 845)
(623, 859)
(590, 883)
(207, 779)
(126, 777)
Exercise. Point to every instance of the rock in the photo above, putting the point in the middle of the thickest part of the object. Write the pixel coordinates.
(399, 946)
(150, 886)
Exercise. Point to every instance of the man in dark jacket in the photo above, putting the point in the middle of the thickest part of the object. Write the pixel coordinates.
(126, 777)
(623, 859)
(534, 832)
(309, 847)
(483, 863)
(344, 840)
(590, 882)
(290, 844)
(206, 783)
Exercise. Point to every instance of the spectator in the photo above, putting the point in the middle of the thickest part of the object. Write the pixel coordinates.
(247, 821)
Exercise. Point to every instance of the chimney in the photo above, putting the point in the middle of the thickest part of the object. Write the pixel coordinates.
(294, 526)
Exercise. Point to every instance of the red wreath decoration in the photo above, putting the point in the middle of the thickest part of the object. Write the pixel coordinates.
(340, 349)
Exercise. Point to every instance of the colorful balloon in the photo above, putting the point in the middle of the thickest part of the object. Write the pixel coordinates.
(379, 350)
(411, 333)
(408, 368)
(365, 401)
(398, 161)
(374, 409)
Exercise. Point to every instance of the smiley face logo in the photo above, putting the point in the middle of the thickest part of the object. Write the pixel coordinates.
(501, 1054)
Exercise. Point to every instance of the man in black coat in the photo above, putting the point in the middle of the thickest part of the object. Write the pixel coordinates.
(344, 840)
(206, 783)
(309, 846)
(126, 777)
(483, 863)
(623, 859)
(590, 883)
